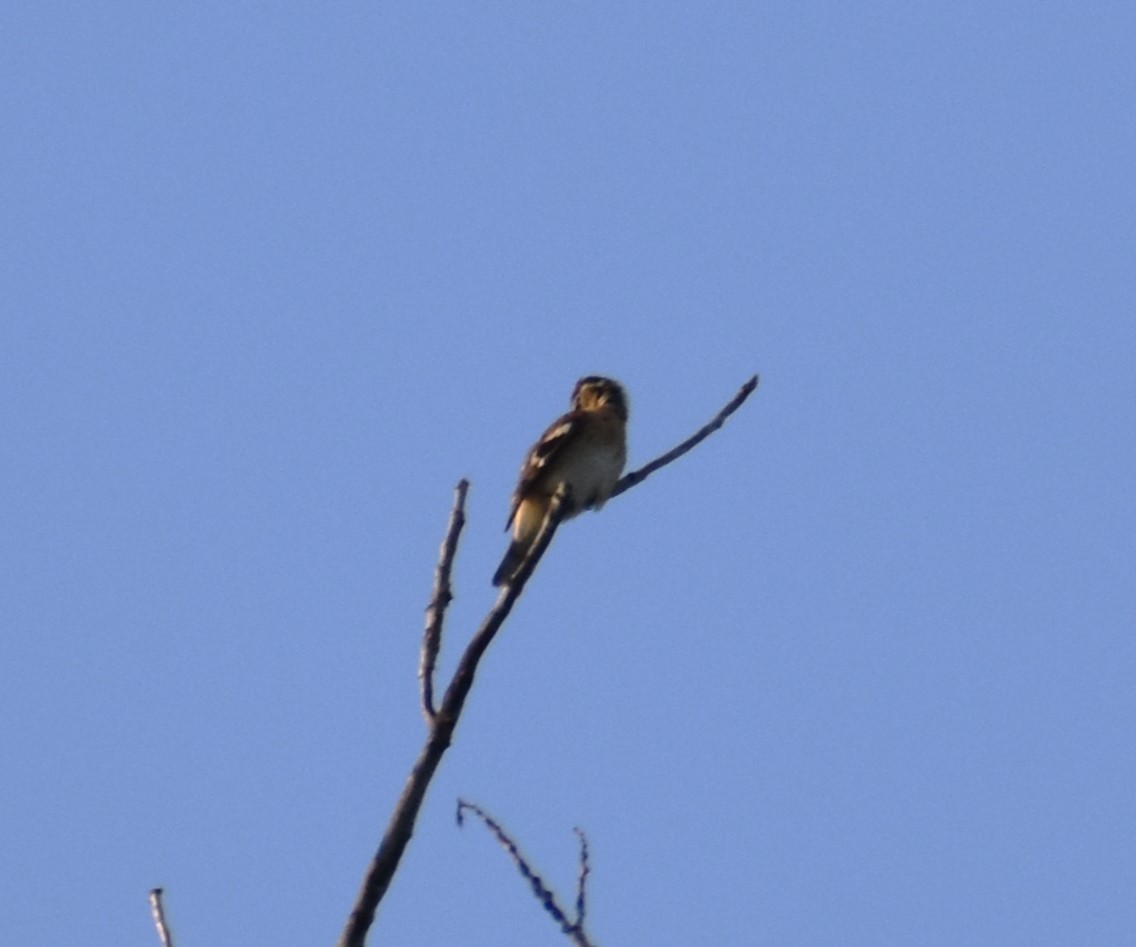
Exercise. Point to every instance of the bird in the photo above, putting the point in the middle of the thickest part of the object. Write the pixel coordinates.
(583, 450)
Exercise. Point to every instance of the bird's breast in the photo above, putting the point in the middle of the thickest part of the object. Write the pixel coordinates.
(592, 474)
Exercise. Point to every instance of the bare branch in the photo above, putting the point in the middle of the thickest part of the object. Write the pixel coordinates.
(436, 611)
(544, 894)
(638, 476)
(159, 914)
(456, 693)
(400, 828)
(443, 721)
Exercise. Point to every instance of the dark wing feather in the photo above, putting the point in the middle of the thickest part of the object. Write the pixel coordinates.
(544, 452)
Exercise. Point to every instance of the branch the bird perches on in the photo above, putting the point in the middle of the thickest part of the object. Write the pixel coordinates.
(442, 720)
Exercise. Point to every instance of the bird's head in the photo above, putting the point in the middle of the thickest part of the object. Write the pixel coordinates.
(594, 393)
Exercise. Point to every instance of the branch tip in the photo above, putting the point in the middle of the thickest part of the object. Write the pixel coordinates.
(157, 911)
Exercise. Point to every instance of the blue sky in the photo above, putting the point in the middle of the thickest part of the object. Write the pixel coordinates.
(860, 670)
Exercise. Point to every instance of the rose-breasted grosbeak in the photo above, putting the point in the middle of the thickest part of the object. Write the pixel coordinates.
(585, 449)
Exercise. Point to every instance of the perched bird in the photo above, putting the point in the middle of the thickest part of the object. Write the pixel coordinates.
(585, 449)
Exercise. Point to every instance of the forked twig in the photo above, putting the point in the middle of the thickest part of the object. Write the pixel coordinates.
(545, 895)
(400, 828)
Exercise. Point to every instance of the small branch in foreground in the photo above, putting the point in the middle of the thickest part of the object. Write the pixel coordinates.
(436, 611)
(547, 898)
(444, 720)
(159, 914)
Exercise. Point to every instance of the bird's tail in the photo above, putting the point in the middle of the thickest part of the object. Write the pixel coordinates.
(514, 556)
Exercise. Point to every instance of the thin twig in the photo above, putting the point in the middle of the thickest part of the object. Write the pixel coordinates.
(582, 879)
(545, 895)
(400, 828)
(159, 914)
(436, 611)
(627, 481)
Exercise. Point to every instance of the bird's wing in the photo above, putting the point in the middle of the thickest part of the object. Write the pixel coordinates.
(543, 454)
